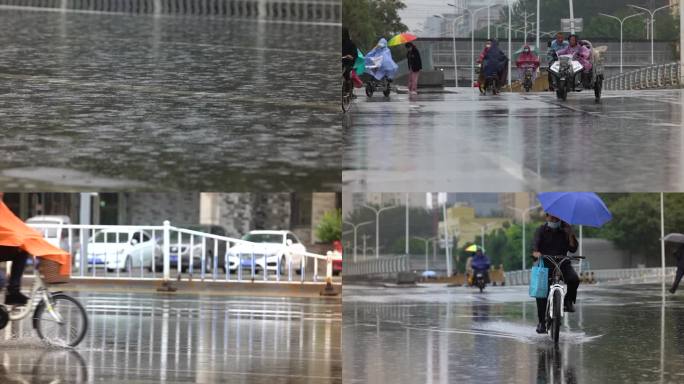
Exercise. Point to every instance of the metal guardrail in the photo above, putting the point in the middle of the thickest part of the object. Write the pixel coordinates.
(165, 252)
(651, 77)
(599, 275)
(291, 10)
(385, 265)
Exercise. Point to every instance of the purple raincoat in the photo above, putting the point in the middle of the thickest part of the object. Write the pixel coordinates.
(583, 53)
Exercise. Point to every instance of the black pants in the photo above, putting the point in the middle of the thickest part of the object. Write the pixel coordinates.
(678, 278)
(347, 66)
(18, 259)
(571, 280)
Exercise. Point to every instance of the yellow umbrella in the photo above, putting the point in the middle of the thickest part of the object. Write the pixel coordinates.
(473, 248)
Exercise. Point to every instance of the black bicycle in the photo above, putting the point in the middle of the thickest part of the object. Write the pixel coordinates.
(557, 291)
(347, 88)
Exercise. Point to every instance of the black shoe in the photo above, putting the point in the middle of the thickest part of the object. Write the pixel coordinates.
(569, 307)
(541, 328)
(15, 298)
(672, 290)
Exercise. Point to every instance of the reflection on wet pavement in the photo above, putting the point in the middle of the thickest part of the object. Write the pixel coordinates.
(188, 339)
(619, 334)
(631, 141)
(167, 103)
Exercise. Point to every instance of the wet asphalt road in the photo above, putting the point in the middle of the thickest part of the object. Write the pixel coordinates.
(126, 102)
(631, 141)
(619, 334)
(138, 338)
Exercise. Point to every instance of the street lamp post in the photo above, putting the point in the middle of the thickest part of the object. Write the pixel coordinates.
(681, 39)
(510, 46)
(453, 29)
(377, 225)
(652, 13)
(482, 238)
(364, 237)
(355, 227)
(472, 36)
(525, 27)
(622, 21)
(572, 17)
(538, 26)
(523, 214)
(427, 243)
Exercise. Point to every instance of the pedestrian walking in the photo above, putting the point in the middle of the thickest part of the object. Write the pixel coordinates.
(414, 66)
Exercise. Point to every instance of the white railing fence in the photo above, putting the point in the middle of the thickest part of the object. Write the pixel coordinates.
(165, 252)
(600, 275)
(651, 77)
(384, 265)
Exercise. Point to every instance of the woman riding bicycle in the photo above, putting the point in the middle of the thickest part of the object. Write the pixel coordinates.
(555, 238)
(349, 53)
(17, 242)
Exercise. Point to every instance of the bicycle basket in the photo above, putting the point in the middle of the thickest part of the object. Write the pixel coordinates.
(49, 270)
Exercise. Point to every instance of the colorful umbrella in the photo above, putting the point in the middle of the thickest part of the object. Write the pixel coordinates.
(401, 38)
(359, 63)
(579, 208)
(14, 233)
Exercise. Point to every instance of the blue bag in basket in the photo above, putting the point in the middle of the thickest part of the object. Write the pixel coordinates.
(539, 281)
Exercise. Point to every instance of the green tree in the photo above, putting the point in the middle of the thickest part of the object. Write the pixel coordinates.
(330, 227)
(667, 26)
(369, 20)
(635, 227)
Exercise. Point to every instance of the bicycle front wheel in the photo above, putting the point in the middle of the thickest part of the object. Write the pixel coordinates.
(556, 321)
(63, 322)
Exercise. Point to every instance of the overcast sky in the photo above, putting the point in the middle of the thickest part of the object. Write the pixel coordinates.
(417, 11)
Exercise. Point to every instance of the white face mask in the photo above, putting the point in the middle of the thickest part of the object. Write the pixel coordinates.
(553, 224)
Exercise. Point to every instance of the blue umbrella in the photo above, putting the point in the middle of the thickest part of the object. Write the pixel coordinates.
(578, 208)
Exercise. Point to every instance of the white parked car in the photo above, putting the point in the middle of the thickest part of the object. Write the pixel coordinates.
(121, 249)
(59, 237)
(268, 247)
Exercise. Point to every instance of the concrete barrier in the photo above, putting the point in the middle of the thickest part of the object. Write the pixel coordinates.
(291, 10)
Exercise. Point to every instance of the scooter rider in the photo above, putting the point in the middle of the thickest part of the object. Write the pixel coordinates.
(527, 59)
(553, 238)
(554, 46)
(581, 54)
(480, 262)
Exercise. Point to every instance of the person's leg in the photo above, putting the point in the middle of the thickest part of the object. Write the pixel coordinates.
(678, 278)
(541, 315)
(415, 82)
(410, 82)
(18, 259)
(17, 271)
(571, 280)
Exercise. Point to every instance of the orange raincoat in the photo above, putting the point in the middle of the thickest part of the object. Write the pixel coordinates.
(14, 233)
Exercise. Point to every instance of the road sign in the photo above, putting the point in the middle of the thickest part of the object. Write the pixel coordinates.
(441, 243)
(565, 25)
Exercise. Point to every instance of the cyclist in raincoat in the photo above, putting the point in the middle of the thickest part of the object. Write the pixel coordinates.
(527, 59)
(495, 62)
(579, 51)
(17, 243)
(379, 62)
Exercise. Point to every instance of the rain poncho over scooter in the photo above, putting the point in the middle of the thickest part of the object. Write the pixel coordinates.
(379, 63)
